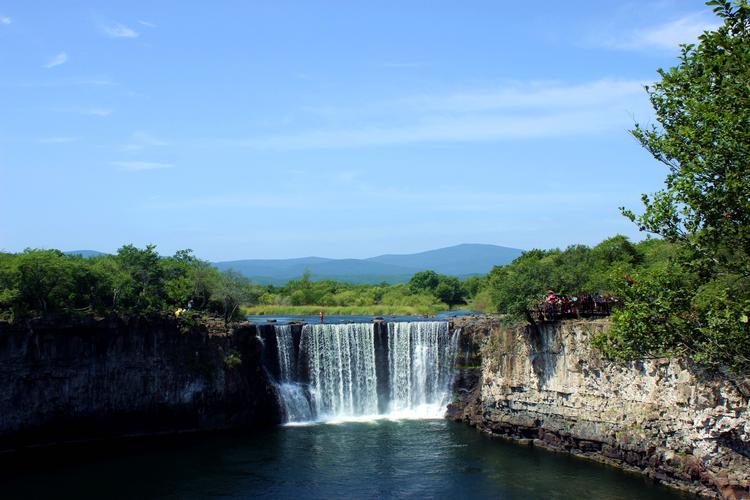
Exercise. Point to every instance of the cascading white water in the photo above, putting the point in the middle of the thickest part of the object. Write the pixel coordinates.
(285, 349)
(341, 367)
(291, 393)
(341, 371)
(420, 363)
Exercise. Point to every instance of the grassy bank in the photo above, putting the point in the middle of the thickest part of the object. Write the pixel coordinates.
(371, 310)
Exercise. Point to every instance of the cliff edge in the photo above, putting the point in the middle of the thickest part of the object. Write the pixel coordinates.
(88, 379)
(545, 386)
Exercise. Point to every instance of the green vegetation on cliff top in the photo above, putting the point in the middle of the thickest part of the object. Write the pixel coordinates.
(132, 282)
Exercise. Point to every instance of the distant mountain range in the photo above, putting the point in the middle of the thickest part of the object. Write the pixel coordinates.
(460, 260)
(84, 253)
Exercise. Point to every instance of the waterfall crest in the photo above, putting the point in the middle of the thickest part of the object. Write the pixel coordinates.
(364, 370)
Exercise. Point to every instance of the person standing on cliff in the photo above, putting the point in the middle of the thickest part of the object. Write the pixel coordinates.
(551, 300)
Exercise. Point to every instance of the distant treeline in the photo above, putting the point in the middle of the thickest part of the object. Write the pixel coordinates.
(328, 293)
(426, 292)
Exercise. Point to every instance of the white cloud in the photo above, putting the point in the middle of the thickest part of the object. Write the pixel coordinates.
(530, 95)
(365, 196)
(403, 65)
(665, 36)
(96, 111)
(57, 140)
(141, 140)
(147, 24)
(86, 111)
(258, 200)
(459, 129)
(515, 111)
(59, 59)
(66, 82)
(134, 166)
(511, 96)
(5, 20)
(118, 30)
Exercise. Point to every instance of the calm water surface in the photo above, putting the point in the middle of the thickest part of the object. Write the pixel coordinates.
(381, 459)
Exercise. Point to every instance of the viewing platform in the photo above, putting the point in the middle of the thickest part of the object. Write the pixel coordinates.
(558, 307)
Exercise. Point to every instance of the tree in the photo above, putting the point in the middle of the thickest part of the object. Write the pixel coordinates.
(611, 260)
(450, 291)
(142, 287)
(44, 281)
(473, 285)
(424, 281)
(703, 138)
(233, 290)
(516, 287)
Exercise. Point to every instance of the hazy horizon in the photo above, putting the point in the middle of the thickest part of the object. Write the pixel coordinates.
(337, 130)
(74, 250)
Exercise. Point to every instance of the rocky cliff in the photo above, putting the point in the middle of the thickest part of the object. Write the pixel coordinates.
(547, 387)
(64, 381)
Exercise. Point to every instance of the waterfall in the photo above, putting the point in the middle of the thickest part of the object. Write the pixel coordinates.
(341, 368)
(342, 371)
(291, 393)
(420, 362)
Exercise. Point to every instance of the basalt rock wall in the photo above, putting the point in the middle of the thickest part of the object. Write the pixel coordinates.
(546, 386)
(80, 380)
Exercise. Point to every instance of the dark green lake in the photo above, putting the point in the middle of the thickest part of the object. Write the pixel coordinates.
(381, 459)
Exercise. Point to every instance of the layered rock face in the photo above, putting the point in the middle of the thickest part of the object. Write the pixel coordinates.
(546, 386)
(89, 379)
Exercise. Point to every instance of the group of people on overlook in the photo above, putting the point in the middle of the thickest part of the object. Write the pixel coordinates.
(558, 306)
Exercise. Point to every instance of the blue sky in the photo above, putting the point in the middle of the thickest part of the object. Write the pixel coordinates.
(340, 129)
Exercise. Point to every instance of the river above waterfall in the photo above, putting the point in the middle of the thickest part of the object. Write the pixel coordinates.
(383, 459)
(282, 319)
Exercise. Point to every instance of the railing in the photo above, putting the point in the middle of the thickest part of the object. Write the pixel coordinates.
(578, 306)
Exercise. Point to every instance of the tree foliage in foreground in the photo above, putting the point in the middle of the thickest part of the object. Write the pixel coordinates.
(699, 304)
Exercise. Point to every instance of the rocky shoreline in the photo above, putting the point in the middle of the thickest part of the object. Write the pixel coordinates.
(547, 387)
